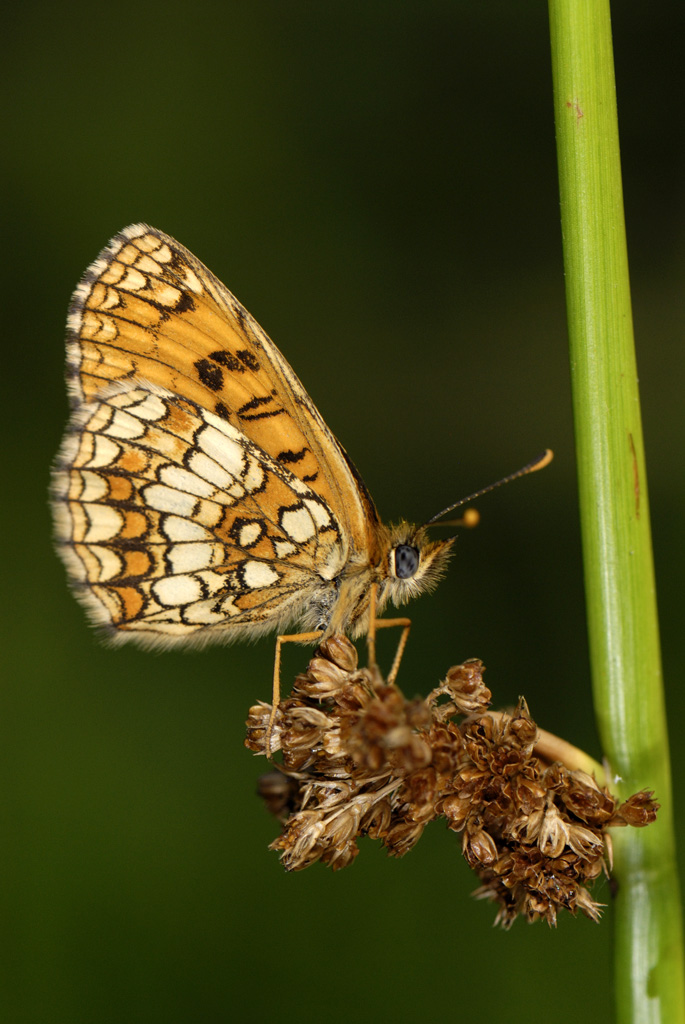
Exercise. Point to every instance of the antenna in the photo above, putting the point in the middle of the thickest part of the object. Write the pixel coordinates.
(531, 467)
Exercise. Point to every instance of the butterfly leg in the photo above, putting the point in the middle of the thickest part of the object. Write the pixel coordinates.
(375, 624)
(406, 626)
(301, 638)
(373, 621)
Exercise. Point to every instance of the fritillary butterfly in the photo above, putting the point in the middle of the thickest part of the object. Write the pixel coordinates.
(198, 494)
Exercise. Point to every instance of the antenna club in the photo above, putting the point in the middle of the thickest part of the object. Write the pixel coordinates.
(543, 461)
(471, 517)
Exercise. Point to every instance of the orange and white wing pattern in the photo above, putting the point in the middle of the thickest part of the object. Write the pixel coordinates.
(147, 309)
(175, 526)
(198, 493)
(198, 490)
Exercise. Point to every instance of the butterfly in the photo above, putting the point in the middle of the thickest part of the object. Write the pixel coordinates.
(198, 494)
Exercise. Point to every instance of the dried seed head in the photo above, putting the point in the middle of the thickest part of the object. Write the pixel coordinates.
(360, 759)
(257, 728)
(638, 810)
(464, 684)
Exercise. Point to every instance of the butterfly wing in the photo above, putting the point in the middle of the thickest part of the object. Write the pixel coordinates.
(198, 490)
(176, 526)
(147, 309)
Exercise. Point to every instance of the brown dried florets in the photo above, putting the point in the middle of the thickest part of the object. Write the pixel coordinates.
(359, 759)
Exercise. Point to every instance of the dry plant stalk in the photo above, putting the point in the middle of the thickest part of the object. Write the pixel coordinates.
(360, 759)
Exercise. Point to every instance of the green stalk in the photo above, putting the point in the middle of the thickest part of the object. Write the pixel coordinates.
(619, 574)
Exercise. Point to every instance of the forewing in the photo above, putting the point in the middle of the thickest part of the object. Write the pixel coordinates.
(175, 525)
(147, 309)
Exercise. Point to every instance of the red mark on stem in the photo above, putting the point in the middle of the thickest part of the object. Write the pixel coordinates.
(636, 477)
(575, 105)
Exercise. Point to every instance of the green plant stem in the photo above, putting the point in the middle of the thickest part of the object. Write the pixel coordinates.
(619, 575)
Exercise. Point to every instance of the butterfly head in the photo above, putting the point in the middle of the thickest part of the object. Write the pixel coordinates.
(414, 564)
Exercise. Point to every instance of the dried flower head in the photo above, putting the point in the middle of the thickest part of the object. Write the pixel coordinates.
(358, 758)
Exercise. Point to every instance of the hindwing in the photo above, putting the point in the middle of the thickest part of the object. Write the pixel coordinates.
(177, 525)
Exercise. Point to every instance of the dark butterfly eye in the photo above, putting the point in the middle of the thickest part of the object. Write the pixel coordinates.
(406, 561)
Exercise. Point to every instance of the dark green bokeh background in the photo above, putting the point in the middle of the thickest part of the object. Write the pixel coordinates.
(377, 183)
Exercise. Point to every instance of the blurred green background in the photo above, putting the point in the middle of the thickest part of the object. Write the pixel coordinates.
(377, 183)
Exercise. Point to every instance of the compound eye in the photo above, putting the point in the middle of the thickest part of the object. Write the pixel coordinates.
(406, 561)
